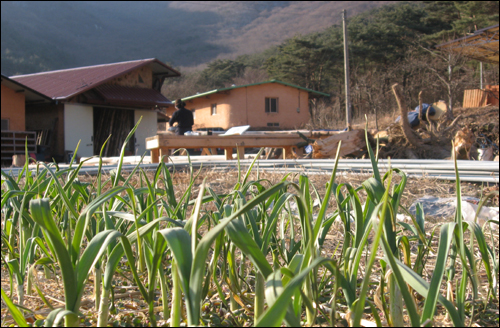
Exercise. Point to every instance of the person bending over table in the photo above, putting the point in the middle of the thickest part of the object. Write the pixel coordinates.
(183, 117)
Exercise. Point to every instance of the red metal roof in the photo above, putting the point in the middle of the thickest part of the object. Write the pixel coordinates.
(30, 95)
(66, 83)
(128, 96)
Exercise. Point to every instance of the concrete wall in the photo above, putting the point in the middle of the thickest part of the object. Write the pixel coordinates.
(13, 109)
(79, 125)
(147, 128)
(246, 106)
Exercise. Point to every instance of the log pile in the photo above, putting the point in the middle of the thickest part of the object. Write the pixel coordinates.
(352, 142)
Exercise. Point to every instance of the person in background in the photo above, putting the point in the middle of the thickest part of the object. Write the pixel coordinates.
(183, 117)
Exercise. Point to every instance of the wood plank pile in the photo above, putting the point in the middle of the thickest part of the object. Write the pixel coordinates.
(43, 137)
(480, 98)
(475, 98)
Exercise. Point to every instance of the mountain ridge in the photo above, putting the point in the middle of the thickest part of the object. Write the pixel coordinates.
(39, 36)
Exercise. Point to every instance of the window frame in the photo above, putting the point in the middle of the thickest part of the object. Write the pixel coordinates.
(7, 122)
(213, 109)
(268, 108)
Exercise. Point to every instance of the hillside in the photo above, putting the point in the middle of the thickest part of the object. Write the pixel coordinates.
(46, 35)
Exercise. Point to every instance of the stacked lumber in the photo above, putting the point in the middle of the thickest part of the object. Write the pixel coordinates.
(475, 98)
(43, 137)
(352, 142)
(480, 98)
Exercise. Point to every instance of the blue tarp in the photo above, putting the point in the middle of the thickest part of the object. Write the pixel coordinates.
(413, 115)
(412, 118)
(425, 108)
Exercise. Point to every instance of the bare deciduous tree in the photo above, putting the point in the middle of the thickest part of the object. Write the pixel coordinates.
(447, 67)
(251, 75)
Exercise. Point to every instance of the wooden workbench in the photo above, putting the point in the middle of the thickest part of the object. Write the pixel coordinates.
(161, 144)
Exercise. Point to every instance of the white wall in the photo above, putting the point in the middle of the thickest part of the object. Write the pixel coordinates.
(79, 125)
(146, 129)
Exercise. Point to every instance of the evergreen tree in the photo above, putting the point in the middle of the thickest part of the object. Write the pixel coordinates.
(475, 15)
(220, 74)
(454, 19)
(302, 61)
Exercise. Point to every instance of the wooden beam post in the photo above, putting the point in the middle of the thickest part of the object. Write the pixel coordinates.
(287, 152)
(166, 152)
(241, 152)
(154, 155)
(229, 153)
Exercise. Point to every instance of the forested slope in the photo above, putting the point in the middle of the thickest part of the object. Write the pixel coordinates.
(393, 43)
(46, 35)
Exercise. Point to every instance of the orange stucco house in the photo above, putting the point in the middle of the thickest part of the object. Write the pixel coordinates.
(15, 98)
(267, 104)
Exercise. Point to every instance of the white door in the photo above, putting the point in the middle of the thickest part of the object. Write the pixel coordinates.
(147, 128)
(79, 125)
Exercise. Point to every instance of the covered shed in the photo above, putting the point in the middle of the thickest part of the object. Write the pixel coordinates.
(90, 103)
(482, 46)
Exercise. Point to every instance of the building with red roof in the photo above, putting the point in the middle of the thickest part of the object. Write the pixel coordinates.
(91, 103)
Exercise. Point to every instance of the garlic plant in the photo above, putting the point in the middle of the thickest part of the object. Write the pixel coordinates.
(248, 240)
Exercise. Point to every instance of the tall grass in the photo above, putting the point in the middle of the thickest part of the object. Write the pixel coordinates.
(259, 245)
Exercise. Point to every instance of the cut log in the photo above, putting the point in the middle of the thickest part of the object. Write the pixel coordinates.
(381, 135)
(487, 154)
(352, 141)
(18, 160)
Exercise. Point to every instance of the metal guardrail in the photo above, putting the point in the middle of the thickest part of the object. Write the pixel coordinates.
(471, 171)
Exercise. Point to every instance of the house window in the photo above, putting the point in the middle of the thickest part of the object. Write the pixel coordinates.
(273, 124)
(213, 109)
(271, 105)
(5, 124)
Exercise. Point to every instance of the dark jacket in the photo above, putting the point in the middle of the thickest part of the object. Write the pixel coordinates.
(184, 119)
